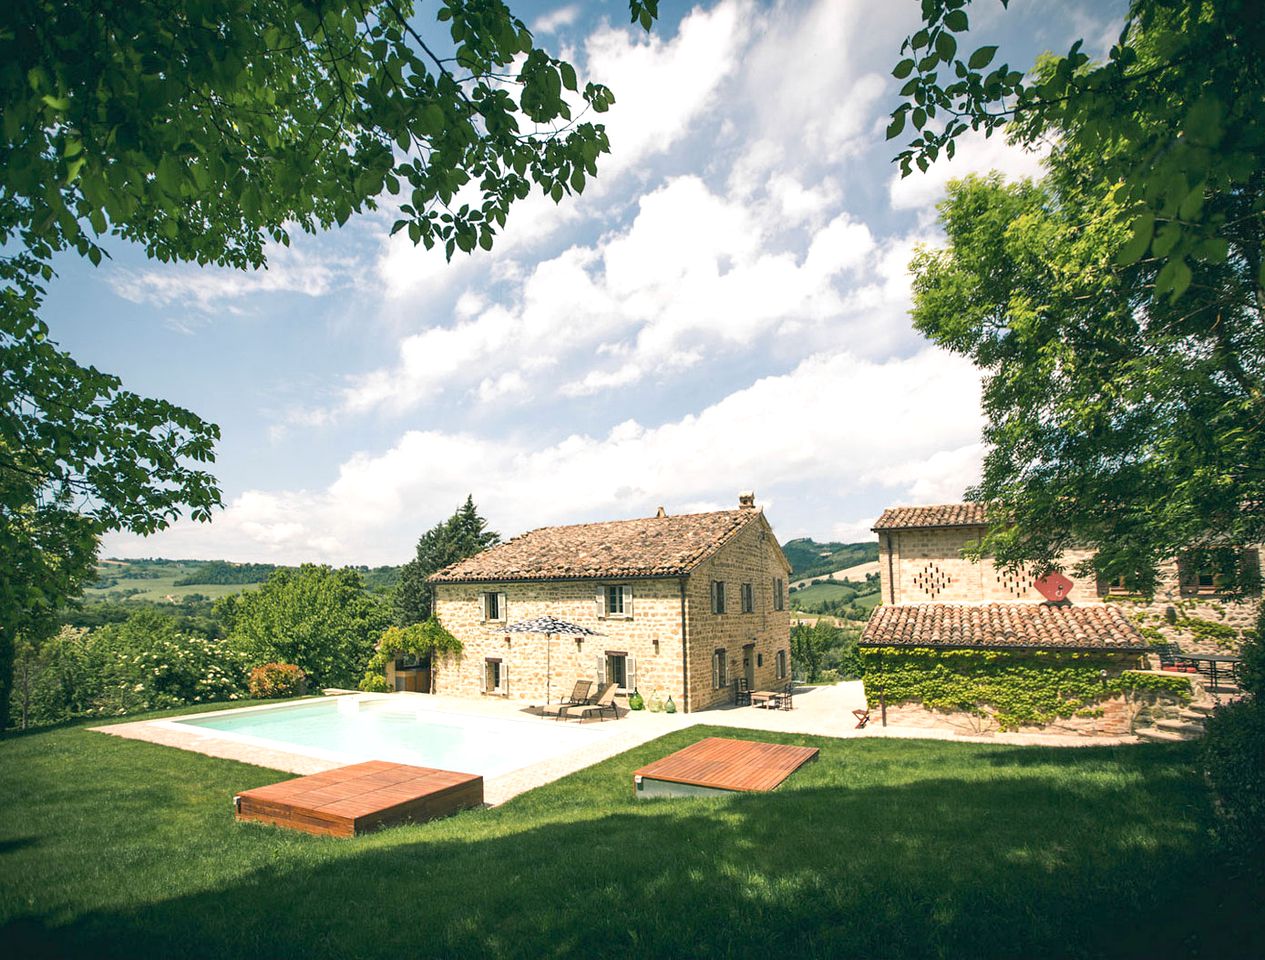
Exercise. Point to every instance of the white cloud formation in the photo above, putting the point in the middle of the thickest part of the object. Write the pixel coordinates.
(764, 437)
(661, 88)
(295, 269)
(975, 153)
(555, 20)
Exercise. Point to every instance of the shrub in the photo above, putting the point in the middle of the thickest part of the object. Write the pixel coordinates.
(1234, 762)
(148, 663)
(271, 680)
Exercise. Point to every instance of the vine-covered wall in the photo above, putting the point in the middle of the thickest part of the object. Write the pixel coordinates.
(1014, 688)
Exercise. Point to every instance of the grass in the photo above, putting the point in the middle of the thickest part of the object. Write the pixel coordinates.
(822, 592)
(881, 849)
(157, 589)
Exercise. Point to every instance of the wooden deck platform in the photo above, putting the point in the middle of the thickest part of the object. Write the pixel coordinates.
(355, 799)
(718, 765)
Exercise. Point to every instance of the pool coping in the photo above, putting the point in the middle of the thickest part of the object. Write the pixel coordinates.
(617, 737)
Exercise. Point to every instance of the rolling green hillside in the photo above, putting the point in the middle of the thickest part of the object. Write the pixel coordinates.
(809, 558)
(156, 580)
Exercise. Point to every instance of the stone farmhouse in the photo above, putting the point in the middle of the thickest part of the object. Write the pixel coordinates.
(942, 609)
(681, 605)
(932, 595)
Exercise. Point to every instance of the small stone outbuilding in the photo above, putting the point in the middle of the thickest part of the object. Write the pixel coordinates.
(682, 606)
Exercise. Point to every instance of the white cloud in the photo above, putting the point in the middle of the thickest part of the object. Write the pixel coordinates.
(975, 153)
(661, 88)
(293, 269)
(853, 531)
(777, 433)
(555, 20)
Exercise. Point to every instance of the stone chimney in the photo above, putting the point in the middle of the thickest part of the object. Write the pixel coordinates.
(661, 514)
(746, 500)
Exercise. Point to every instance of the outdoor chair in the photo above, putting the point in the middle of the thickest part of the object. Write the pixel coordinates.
(1171, 659)
(579, 695)
(784, 701)
(863, 717)
(742, 692)
(604, 701)
(580, 692)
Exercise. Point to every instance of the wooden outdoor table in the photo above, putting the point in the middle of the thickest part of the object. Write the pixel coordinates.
(764, 696)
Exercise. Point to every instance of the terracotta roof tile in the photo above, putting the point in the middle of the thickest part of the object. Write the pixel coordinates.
(648, 547)
(940, 515)
(1035, 626)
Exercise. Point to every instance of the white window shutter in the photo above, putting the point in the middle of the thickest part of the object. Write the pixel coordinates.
(501, 608)
(599, 671)
(505, 680)
(715, 670)
(601, 602)
(483, 599)
(628, 600)
(630, 666)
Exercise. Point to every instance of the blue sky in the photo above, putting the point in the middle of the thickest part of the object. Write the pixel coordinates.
(724, 309)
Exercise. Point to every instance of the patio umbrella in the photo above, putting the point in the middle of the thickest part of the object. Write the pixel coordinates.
(549, 626)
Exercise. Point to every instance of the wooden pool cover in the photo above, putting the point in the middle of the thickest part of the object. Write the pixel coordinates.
(347, 801)
(718, 765)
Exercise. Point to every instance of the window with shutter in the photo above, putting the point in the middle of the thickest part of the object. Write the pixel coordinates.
(617, 669)
(720, 676)
(494, 607)
(718, 596)
(617, 598)
(493, 675)
(747, 592)
(779, 593)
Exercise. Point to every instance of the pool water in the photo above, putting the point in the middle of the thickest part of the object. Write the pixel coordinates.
(345, 728)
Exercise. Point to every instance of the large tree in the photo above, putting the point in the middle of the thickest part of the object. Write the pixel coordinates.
(462, 535)
(1116, 306)
(1173, 114)
(202, 130)
(316, 617)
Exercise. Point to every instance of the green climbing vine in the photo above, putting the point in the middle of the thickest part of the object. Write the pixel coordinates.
(1029, 688)
(425, 639)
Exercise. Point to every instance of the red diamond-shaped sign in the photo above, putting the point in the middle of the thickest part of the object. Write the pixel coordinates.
(1055, 587)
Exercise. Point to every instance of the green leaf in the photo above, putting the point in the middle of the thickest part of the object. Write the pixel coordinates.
(903, 69)
(1135, 249)
(897, 125)
(956, 20)
(982, 57)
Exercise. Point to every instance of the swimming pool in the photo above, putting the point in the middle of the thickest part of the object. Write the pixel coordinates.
(352, 729)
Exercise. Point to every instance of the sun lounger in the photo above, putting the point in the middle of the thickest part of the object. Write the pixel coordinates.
(603, 702)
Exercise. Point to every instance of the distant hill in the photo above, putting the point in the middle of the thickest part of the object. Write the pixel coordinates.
(158, 580)
(809, 558)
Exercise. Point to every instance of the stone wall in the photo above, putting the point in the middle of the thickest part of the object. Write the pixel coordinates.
(925, 565)
(754, 557)
(651, 636)
(1191, 613)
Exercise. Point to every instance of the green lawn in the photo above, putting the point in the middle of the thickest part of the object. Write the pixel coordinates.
(157, 589)
(882, 849)
(821, 592)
